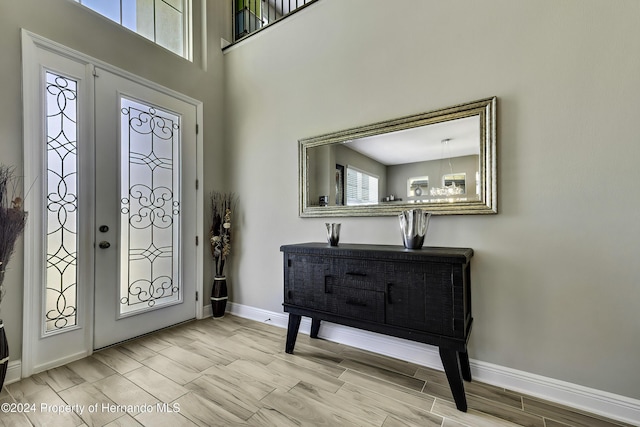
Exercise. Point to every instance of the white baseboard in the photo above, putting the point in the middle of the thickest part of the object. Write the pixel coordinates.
(206, 311)
(595, 401)
(14, 372)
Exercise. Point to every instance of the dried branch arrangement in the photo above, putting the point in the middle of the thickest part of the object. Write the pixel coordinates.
(13, 218)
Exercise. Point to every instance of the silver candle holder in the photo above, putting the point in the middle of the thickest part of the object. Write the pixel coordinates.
(333, 233)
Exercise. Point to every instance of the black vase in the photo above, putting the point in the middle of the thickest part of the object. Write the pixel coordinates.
(219, 296)
(4, 354)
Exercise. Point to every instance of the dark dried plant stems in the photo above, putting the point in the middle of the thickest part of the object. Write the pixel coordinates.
(12, 217)
(222, 204)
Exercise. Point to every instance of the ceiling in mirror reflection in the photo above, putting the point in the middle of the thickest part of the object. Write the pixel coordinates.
(422, 143)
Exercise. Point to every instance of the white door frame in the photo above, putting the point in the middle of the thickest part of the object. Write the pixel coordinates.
(32, 47)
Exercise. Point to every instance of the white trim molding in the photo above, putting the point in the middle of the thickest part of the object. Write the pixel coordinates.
(14, 369)
(595, 401)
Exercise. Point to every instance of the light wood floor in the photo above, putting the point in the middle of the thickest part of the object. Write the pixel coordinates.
(233, 371)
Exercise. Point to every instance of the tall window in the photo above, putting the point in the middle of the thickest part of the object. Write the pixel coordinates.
(165, 22)
(362, 188)
(61, 95)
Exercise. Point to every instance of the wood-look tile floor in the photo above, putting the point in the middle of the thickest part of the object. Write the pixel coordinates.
(233, 371)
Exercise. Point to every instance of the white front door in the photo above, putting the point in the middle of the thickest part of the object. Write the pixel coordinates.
(114, 211)
(145, 210)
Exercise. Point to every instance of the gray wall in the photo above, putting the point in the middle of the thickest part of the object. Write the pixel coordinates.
(68, 23)
(555, 274)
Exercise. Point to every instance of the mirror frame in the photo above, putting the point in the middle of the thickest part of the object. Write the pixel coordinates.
(488, 203)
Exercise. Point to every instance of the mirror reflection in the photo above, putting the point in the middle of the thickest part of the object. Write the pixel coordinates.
(443, 161)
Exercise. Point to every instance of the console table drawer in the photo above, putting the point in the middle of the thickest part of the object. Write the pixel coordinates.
(355, 303)
(356, 274)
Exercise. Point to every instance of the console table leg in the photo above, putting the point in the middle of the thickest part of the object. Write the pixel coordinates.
(452, 369)
(315, 327)
(292, 332)
(464, 365)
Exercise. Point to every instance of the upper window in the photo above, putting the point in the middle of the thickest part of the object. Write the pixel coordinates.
(165, 22)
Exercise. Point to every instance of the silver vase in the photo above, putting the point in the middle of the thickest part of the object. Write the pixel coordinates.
(413, 225)
(333, 233)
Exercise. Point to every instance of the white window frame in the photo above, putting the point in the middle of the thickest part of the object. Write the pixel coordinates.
(187, 23)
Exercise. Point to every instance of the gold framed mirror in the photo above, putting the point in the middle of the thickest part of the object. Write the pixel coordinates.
(442, 161)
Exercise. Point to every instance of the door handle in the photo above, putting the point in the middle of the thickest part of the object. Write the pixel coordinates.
(104, 244)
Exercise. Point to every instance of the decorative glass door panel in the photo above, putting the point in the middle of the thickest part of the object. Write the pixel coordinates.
(149, 207)
(61, 128)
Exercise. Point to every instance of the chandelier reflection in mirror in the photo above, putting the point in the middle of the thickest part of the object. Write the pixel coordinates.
(452, 184)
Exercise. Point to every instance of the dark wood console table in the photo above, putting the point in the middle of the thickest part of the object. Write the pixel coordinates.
(422, 295)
